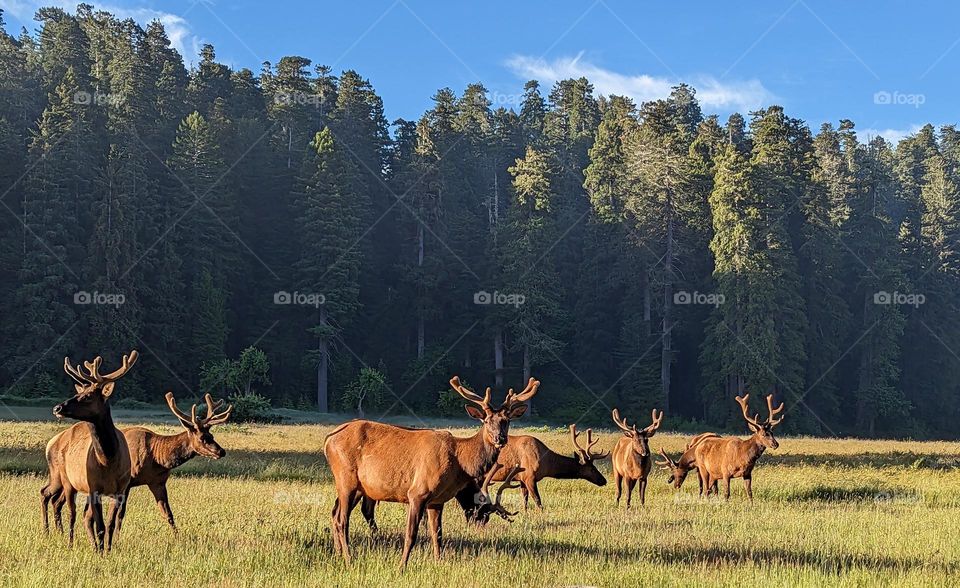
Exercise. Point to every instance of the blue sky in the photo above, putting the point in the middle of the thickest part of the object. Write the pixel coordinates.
(890, 66)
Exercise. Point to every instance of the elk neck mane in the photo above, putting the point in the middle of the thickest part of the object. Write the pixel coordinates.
(104, 437)
(475, 454)
(171, 451)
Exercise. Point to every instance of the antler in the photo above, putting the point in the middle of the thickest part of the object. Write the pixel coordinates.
(526, 394)
(508, 482)
(745, 407)
(666, 463)
(93, 375)
(773, 412)
(622, 423)
(210, 420)
(462, 390)
(586, 454)
(652, 428)
(212, 417)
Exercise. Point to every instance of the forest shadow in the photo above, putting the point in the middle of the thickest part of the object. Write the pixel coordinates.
(931, 461)
(876, 494)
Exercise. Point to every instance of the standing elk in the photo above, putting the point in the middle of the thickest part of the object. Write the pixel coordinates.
(153, 456)
(537, 461)
(631, 455)
(91, 456)
(724, 458)
(680, 468)
(422, 468)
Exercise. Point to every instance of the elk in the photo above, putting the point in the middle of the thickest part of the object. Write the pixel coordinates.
(680, 468)
(492, 505)
(724, 458)
(92, 456)
(423, 468)
(153, 456)
(631, 455)
(537, 462)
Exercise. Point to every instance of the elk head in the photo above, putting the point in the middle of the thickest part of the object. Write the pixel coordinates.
(677, 473)
(762, 431)
(585, 456)
(487, 504)
(639, 438)
(496, 421)
(93, 389)
(198, 429)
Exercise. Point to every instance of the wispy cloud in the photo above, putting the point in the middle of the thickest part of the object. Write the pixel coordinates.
(177, 27)
(892, 135)
(714, 94)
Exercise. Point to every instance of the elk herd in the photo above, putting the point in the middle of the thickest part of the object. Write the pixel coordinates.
(373, 462)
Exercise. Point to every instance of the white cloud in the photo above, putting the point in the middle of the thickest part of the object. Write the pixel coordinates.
(713, 94)
(894, 136)
(178, 29)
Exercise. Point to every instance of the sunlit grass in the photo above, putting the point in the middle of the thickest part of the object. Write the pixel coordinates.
(837, 512)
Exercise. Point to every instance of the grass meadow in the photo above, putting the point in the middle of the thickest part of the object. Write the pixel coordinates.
(826, 512)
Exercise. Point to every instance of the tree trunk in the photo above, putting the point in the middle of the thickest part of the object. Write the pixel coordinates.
(322, 368)
(421, 335)
(498, 358)
(666, 356)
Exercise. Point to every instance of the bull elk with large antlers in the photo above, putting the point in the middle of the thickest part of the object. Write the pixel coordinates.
(688, 461)
(91, 456)
(631, 455)
(153, 456)
(536, 461)
(724, 458)
(422, 468)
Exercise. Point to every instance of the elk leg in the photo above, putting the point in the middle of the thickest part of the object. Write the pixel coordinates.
(726, 487)
(617, 479)
(415, 510)
(536, 496)
(122, 513)
(58, 503)
(630, 484)
(526, 496)
(643, 491)
(159, 492)
(69, 496)
(435, 522)
(341, 523)
(112, 520)
(93, 522)
(748, 484)
(367, 508)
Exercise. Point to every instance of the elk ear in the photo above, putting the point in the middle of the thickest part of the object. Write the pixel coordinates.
(517, 411)
(753, 427)
(107, 390)
(475, 412)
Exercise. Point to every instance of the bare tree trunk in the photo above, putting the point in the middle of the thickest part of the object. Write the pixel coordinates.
(322, 368)
(666, 356)
(421, 335)
(498, 357)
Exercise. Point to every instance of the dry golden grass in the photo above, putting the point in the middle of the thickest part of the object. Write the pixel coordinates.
(837, 512)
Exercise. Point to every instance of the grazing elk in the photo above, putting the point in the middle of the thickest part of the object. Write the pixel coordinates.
(724, 458)
(91, 456)
(491, 505)
(631, 455)
(422, 468)
(153, 456)
(537, 462)
(680, 468)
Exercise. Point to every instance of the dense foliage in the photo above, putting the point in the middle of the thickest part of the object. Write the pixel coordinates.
(631, 255)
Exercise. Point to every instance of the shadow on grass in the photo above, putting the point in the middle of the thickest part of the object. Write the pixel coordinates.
(875, 494)
(541, 548)
(908, 459)
(256, 465)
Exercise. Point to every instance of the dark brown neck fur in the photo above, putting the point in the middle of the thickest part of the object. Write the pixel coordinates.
(171, 451)
(476, 455)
